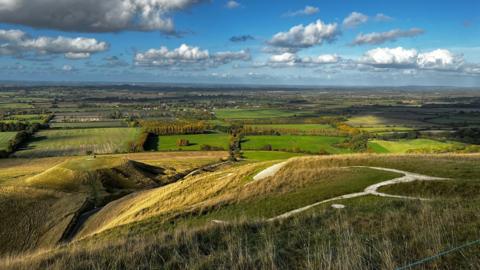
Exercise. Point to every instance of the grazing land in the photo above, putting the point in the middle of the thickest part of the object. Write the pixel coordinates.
(196, 142)
(78, 142)
(313, 144)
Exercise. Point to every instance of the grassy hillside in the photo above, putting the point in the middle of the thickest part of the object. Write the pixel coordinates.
(41, 204)
(33, 218)
(78, 141)
(172, 227)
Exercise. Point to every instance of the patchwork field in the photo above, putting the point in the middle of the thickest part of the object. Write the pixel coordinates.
(78, 142)
(314, 144)
(5, 137)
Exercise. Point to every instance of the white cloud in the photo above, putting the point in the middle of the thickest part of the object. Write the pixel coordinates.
(382, 37)
(308, 10)
(284, 58)
(19, 43)
(322, 59)
(94, 15)
(440, 59)
(390, 57)
(291, 59)
(355, 19)
(301, 36)
(187, 56)
(232, 4)
(75, 56)
(380, 17)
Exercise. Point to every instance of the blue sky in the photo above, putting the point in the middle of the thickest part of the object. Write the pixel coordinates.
(345, 42)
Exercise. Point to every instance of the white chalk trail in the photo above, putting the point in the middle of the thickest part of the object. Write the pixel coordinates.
(370, 190)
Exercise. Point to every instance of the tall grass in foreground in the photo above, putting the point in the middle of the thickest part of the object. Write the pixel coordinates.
(371, 233)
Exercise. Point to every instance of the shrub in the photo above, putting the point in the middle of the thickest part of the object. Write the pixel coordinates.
(183, 142)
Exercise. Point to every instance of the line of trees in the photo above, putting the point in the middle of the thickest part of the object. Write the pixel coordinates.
(174, 128)
(20, 138)
(138, 145)
(18, 125)
(324, 120)
(235, 143)
(259, 130)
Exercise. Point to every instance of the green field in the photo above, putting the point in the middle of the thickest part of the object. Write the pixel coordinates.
(78, 141)
(268, 155)
(300, 127)
(169, 143)
(254, 113)
(314, 144)
(5, 137)
(385, 129)
(99, 124)
(404, 146)
(15, 106)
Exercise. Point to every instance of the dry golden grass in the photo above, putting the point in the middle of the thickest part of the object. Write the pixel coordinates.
(32, 218)
(329, 240)
(190, 193)
(39, 197)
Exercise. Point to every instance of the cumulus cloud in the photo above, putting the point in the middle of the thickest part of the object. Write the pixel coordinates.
(232, 4)
(440, 59)
(18, 43)
(241, 38)
(94, 15)
(308, 10)
(187, 56)
(291, 59)
(355, 19)
(382, 37)
(390, 57)
(300, 36)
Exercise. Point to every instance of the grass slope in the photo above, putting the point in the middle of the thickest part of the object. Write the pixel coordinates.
(167, 227)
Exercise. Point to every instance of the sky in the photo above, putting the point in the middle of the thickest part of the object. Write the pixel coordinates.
(297, 42)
